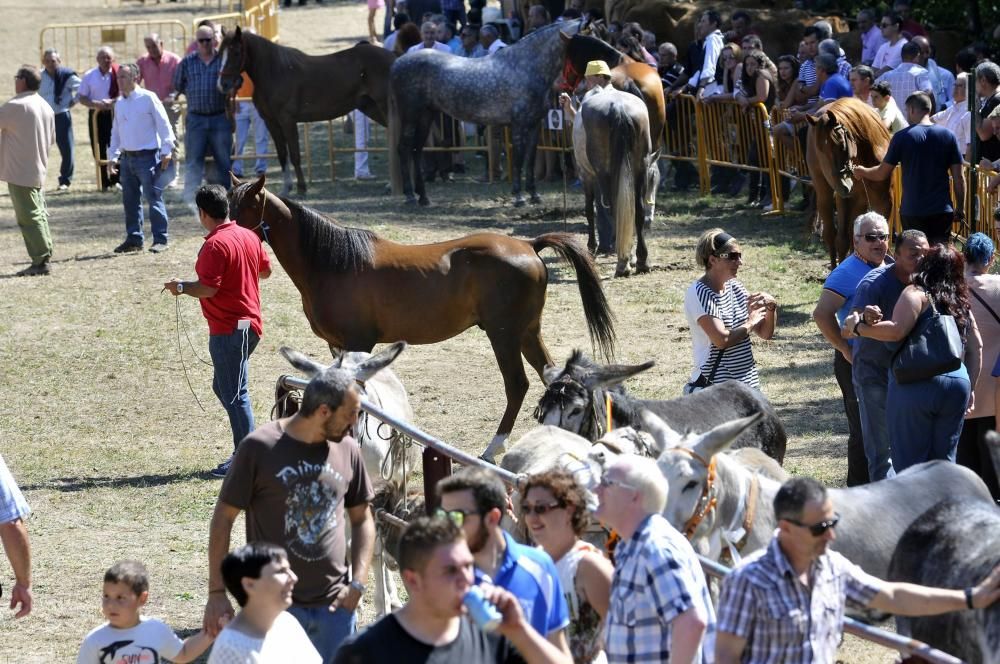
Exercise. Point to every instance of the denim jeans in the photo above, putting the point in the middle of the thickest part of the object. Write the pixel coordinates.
(325, 628)
(872, 397)
(361, 131)
(64, 140)
(141, 177)
(926, 418)
(247, 116)
(206, 133)
(231, 358)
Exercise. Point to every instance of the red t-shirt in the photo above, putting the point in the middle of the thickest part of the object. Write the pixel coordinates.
(231, 260)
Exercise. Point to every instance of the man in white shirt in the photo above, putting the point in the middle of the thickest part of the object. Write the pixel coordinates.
(141, 145)
(98, 91)
(888, 110)
(871, 36)
(907, 76)
(489, 37)
(889, 54)
(708, 27)
(956, 116)
(429, 33)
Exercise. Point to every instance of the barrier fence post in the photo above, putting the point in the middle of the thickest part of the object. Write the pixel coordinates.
(437, 466)
(701, 130)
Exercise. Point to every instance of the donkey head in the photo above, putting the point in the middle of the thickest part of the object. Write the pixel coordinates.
(359, 366)
(687, 464)
(833, 138)
(568, 402)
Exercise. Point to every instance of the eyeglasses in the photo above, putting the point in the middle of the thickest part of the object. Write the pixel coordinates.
(539, 510)
(457, 517)
(876, 237)
(607, 482)
(206, 40)
(731, 255)
(818, 529)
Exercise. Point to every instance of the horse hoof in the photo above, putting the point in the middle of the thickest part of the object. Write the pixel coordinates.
(411, 199)
(623, 272)
(642, 269)
(536, 199)
(519, 202)
(424, 202)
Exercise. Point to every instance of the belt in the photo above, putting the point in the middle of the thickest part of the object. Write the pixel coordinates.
(206, 114)
(138, 153)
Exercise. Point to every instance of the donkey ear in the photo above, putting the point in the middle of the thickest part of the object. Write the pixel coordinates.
(377, 362)
(719, 438)
(550, 373)
(613, 374)
(661, 432)
(564, 37)
(301, 362)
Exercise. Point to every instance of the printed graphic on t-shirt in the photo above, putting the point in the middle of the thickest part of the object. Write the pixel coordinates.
(314, 492)
(128, 652)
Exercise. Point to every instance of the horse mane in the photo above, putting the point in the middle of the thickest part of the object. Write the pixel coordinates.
(324, 245)
(861, 122)
(598, 49)
(274, 55)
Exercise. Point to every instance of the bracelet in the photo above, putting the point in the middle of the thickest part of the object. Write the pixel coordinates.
(968, 598)
(217, 590)
(856, 332)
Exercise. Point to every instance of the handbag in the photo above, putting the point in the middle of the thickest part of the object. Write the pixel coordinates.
(933, 347)
(702, 382)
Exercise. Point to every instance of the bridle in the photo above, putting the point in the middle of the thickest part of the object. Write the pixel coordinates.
(571, 77)
(595, 425)
(846, 169)
(238, 75)
(264, 227)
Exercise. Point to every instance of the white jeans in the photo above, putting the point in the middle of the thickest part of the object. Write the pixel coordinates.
(361, 132)
(246, 114)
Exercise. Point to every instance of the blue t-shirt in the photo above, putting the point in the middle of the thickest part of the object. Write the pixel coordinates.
(872, 359)
(530, 575)
(836, 86)
(844, 282)
(926, 152)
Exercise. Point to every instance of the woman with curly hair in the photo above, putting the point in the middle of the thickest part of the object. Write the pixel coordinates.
(788, 73)
(925, 417)
(554, 508)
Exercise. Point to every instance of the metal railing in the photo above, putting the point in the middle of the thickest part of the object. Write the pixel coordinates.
(78, 43)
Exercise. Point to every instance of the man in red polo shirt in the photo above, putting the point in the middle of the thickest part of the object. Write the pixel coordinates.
(229, 265)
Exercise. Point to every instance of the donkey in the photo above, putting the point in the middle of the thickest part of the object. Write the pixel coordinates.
(613, 150)
(389, 460)
(575, 399)
(711, 496)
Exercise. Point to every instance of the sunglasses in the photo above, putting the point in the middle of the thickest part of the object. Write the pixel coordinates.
(876, 237)
(457, 517)
(817, 529)
(206, 40)
(539, 510)
(731, 255)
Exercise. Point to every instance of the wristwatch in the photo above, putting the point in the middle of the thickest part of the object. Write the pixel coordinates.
(860, 321)
(180, 287)
(357, 585)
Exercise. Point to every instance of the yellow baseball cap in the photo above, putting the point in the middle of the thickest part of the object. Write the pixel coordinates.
(598, 67)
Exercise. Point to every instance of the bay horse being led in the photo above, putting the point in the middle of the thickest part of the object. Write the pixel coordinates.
(292, 87)
(511, 87)
(359, 289)
(842, 133)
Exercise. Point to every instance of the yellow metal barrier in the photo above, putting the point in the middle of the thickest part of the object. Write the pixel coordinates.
(682, 134)
(78, 44)
(986, 202)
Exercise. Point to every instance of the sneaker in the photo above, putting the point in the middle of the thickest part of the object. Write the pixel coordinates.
(222, 468)
(365, 176)
(39, 270)
(63, 187)
(127, 247)
(158, 248)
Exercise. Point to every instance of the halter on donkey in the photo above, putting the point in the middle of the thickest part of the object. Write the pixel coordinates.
(292, 87)
(511, 87)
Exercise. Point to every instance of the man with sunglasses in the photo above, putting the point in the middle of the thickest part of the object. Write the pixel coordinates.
(786, 603)
(207, 128)
(476, 500)
(871, 244)
(660, 609)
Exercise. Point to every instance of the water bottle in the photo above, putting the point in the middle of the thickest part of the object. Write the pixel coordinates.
(482, 612)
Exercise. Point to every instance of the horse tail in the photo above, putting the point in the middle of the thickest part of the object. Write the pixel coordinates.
(600, 318)
(624, 133)
(393, 132)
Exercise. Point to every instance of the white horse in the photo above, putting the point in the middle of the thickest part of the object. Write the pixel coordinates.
(389, 457)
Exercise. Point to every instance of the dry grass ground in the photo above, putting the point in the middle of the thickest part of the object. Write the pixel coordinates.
(112, 450)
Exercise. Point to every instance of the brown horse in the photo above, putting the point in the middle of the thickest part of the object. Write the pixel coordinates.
(843, 133)
(359, 289)
(292, 87)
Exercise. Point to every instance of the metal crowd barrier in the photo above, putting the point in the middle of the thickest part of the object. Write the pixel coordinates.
(78, 43)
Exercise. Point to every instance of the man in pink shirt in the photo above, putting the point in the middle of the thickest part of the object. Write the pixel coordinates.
(156, 74)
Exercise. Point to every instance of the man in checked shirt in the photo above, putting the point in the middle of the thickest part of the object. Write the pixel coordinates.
(786, 603)
(660, 610)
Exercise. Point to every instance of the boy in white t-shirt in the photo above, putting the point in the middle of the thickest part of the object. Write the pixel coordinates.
(129, 636)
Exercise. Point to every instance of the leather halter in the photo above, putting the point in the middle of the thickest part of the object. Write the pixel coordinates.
(707, 501)
(571, 77)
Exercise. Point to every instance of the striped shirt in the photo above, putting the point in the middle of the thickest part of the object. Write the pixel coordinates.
(807, 74)
(731, 307)
(905, 78)
(657, 578)
(763, 602)
(199, 83)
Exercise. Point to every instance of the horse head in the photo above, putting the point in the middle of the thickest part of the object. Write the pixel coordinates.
(232, 50)
(573, 398)
(839, 145)
(247, 201)
(345, 363)
(688, 464)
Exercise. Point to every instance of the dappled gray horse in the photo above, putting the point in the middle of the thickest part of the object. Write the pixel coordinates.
(613, 150)
(511, 87)
(576, 395)
(713, 512)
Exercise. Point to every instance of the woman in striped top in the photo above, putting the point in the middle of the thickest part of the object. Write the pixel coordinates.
(722, 313)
